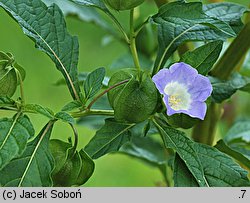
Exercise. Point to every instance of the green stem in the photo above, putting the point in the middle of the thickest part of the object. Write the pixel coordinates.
(119, 26)
(104, 92)
(93, 112)
(21, 86)
(204, 132)
(138, 29)
(132, 42)
(76, 138)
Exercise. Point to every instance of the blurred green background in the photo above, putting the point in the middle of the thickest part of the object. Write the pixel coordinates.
(41, 74)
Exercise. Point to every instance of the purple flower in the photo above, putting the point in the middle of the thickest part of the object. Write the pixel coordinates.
(185, 91)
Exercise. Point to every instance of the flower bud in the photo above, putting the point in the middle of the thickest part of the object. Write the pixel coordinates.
(123, 4)
(135, 100)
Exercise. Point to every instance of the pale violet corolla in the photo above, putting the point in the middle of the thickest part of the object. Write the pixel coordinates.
(184, 90)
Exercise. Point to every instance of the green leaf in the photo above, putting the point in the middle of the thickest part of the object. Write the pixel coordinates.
(6, 101)
(72, 168)
(15, 133)
(8, 81)
(177, 24)
(37, 108)
(65, 117)
(86, 14)
(227, 12)
(93, 82)
(109, 138)
(72, 105)
(224, 89)
(209, 166)
(182, 176)
(146, 149)
(33, 168)
(203, 58)
(49, 32)
(95, 3)
(240, 130)
(21, 70)
(223, 147)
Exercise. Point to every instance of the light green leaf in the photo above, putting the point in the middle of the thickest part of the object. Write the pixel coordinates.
(37, 108)
(71, 169)
(72, 105)
(14, 135)
(65, 117)
(182, 176)
(203, 58)
(93, 82)
(95, 3)
(33, 168)
(86, 14)
(146, 149)
(109, 138)
(223, 90)
(177, 24)
(46, 26)
(223, 147)
(209, 166)
(240, 130)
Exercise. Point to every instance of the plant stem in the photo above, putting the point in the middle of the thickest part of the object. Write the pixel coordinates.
(159, 3)
(132, 42)
(21, 86)
(119, 26)
(104, 92)
(76, 137)
(93, 112)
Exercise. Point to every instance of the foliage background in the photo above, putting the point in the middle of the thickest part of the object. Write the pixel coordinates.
(111, 170)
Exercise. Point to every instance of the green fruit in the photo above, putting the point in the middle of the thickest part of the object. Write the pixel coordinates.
(181, 120)
(123, 4)
(135, 100)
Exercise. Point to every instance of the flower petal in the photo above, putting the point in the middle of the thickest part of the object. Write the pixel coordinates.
(198, 110)
(183, 73)
(201, 89)
(161, 79)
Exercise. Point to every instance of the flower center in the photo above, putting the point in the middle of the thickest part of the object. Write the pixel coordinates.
(178, 96)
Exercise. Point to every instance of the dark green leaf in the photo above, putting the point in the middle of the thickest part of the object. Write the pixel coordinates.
(14, 135)
(71, 169)
(145, 148)
(209, 166)
(177, 24)
(204, 57)
(93, 82)
(8, 81)
(37, 108)
(223, 147)
(223, 90)
(72, 105)
(6, 101)
(34, 167)
(227, 12)
(46, 26)
(64, 116)
(109, 138)
(182, 176)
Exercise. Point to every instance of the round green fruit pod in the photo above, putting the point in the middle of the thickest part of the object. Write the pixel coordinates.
(134, 101)
(181, 120)
(120, 5)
